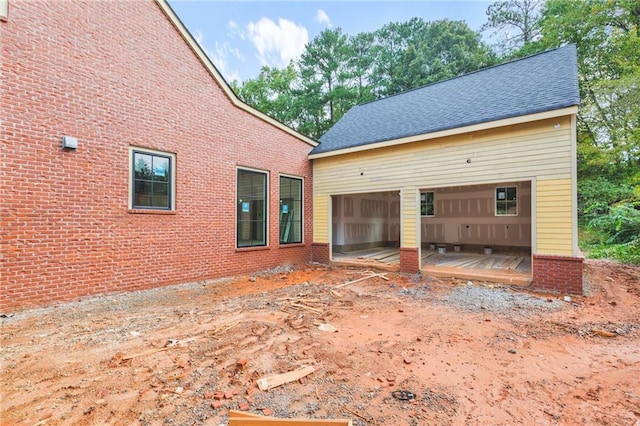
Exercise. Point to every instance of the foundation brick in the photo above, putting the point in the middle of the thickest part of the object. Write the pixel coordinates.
(558, 274)
(409, 260)
(320, 253)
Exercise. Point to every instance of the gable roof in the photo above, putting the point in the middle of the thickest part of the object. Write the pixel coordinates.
(543, 82)
(211, 68)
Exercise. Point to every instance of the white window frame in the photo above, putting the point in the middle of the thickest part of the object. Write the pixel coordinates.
(4, 10)
(496, 200)
(172, 177)
(425, 203)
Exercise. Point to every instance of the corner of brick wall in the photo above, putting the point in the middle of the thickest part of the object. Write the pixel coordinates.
(320, 253)
(409, 260)
(558, 274)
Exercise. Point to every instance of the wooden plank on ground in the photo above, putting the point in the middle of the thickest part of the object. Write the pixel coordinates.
(242, 418)
(273, 381)
(288, 422)
(359, 279)
(245, 415)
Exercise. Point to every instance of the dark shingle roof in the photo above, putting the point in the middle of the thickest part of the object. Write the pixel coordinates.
(538, 83)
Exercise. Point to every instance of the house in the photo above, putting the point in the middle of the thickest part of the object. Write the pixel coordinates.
(127, 161)
(483, 164)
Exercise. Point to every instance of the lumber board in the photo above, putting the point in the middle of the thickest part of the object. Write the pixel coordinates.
(273, 381)
(233, 421)
(245, 415)
(358, 280)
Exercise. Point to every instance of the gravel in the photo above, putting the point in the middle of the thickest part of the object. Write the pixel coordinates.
(475, 298)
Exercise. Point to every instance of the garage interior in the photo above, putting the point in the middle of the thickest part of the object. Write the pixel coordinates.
(480, 232)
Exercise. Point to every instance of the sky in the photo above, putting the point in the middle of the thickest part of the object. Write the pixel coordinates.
(242, 36)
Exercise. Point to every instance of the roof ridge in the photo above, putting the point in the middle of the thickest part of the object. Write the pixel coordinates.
(467, 74)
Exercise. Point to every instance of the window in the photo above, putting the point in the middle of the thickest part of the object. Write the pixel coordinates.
(427, 205)
(152, 186)
(290, 210)
(252, 208)
(4, 10)
(506, 201)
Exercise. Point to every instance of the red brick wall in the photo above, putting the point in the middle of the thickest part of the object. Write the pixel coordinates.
(320, 253)
(409, 260)
(116, 74)
(558, 274)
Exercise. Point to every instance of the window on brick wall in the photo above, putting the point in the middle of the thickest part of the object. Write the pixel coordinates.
(252, 208)
(507, 201)
(4, 10)
(290, 210)
(152, 184)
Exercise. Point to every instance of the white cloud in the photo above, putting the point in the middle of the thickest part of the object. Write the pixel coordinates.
(220, 55)
(236, 30)
(277, 44)
(323, 18)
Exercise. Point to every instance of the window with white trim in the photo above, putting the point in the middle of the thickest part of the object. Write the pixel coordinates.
(152, 180)
(4, 10)
(507, 201)
(427, 204)
(252, 208)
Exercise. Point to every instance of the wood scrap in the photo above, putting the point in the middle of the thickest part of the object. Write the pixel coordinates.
(327, 327)
(355, 413)
(309, 308)
(244, 415)
(242, 418)
(273, 381)
(603, 333)
(358, 280)
(222, 329)
(381, 275)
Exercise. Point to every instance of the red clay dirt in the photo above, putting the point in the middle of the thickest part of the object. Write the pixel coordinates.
(409, 350)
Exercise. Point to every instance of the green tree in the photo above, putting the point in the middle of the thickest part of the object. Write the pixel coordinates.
(362, 53)
(516, 22)
(607, 35)
(451, 48)
(272, 92)
(325, 75)
(392, 41)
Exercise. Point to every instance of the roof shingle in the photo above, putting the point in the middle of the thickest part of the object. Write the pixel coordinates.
(538, 83)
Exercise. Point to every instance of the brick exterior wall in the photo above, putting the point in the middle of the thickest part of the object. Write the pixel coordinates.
(409, 260)
(320, 253)
(558, 274)
(118, 74)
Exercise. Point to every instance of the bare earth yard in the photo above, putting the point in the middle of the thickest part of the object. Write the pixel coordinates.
(462, 352)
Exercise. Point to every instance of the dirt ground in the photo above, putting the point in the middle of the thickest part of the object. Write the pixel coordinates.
(408, 350)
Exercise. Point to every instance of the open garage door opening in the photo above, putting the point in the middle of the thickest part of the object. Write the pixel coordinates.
(481, 232)
(366, 229)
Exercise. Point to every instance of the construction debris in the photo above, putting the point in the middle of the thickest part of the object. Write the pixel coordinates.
(273, 381)
(603, 333)
(327, 327)
(366, 277)
(241, 418)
